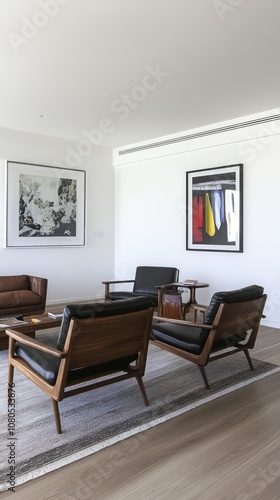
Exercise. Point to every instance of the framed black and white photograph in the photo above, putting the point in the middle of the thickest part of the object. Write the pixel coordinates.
(45, 205)
(215, 209)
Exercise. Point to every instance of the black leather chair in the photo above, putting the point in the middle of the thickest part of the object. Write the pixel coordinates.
(230, 324)
(146, 280)
(95, 340)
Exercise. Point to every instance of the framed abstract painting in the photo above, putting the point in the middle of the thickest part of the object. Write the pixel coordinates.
(45, 205)
(215, 209)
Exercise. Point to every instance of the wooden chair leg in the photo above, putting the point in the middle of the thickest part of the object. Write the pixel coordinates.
(56, 416)
(246, 352)
(10, 373)
(106, 291)
(203, 373)
(143, 391)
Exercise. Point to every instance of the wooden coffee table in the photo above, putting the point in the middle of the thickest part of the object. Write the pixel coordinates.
(29, 328)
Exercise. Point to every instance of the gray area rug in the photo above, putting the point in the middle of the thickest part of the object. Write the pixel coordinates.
(91, 421)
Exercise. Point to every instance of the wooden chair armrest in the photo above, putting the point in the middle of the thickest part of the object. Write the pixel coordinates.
(24, 339)
(112, 282)
(181, 322)
(107, 284)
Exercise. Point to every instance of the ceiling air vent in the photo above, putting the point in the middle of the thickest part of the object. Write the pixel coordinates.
(205, 133)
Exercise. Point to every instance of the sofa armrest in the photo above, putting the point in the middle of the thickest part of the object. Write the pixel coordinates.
(39, 286)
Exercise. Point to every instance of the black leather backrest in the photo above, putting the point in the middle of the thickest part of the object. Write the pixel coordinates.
(241, 295)
(99, 309)
(148, 277)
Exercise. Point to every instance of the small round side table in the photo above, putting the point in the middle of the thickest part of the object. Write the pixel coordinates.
(192, 287)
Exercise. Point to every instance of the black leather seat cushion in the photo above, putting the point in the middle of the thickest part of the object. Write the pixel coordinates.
(47, 365)
(190, 338)
(128, 295)
(42, 363)
(186, 338)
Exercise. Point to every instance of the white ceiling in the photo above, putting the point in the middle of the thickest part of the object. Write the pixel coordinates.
(219, 60)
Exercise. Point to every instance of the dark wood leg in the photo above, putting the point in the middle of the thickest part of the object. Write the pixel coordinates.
(106, 291)
(56, 416)
(10, 366)
(246, 352)
(142, 389)
(203, 373)
(160, 297)
(188, 306)
(10, 373)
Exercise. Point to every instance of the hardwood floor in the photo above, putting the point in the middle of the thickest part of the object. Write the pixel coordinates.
(227, 449)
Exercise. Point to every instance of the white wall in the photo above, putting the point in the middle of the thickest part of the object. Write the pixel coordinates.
(151, 211)
(74, 273)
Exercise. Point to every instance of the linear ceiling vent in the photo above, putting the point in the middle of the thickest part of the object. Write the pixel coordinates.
(213, 131)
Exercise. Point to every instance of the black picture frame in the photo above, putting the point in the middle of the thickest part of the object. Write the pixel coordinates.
(214, 209)
(45, 205)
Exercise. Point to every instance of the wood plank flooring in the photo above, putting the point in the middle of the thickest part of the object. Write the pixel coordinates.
(228, 449)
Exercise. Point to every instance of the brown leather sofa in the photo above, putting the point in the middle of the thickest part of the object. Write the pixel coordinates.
(22, 294)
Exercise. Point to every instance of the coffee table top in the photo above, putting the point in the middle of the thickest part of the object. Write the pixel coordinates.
(40, 322)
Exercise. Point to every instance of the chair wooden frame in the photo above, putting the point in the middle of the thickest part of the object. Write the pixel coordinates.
(230, 320)
(108, 283)
(89, 341)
